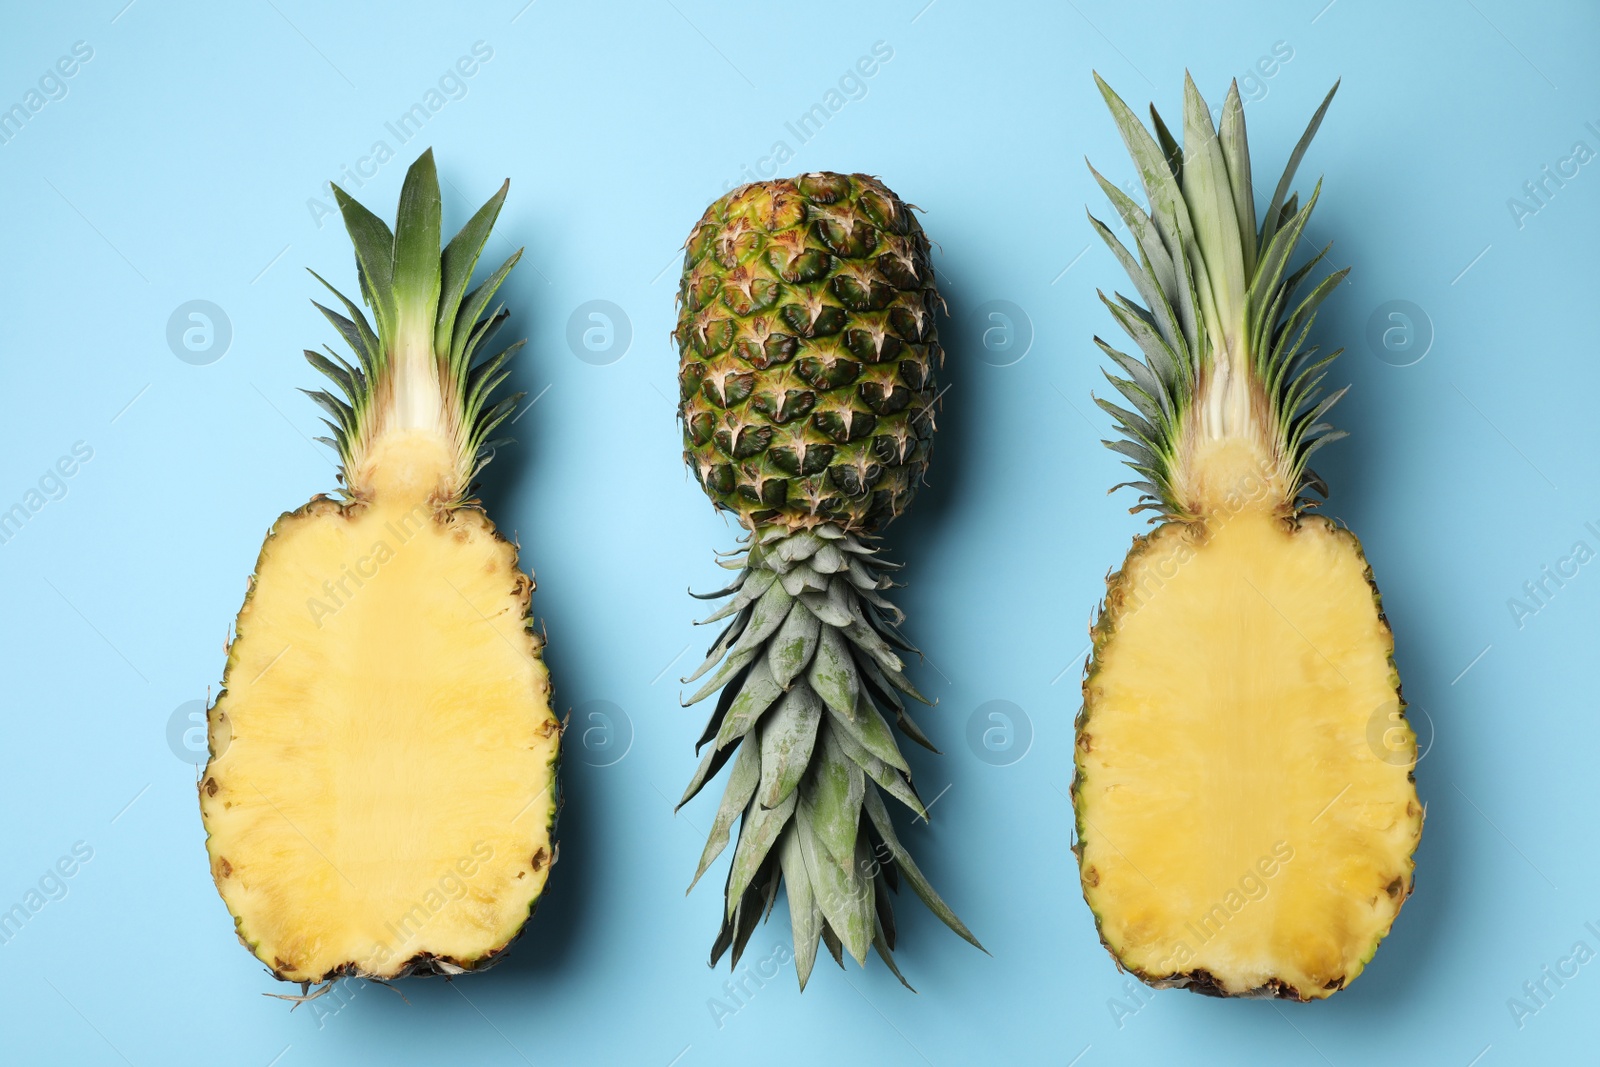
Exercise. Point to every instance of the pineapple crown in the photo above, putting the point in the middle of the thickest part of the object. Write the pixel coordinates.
(1225, 358)
(417, 370)
(810, 665)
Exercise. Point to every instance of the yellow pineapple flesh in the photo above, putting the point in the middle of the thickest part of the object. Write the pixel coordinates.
(1242, 817)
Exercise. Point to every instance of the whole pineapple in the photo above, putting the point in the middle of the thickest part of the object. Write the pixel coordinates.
(807, 392)
(381, 790)
(1246, 808)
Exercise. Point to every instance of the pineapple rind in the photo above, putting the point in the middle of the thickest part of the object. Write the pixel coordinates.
(806, 328)
(1103, 633)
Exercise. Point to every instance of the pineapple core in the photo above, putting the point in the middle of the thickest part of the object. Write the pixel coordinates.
(382, 784)
(1245, 825)
(407, 465)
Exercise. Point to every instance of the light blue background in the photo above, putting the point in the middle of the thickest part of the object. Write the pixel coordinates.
(179, 166)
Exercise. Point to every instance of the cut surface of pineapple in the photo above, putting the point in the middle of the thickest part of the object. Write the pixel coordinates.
(383, 785)
(1246, 809)
(1243, 769)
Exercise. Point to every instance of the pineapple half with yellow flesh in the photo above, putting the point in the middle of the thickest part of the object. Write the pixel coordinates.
(1246, 808)
(381, 789)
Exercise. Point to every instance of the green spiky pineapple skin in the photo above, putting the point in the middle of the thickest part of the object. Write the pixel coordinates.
(808, 352)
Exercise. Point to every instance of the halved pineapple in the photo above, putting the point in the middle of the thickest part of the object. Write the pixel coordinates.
(381, 789)
(1244, 791)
